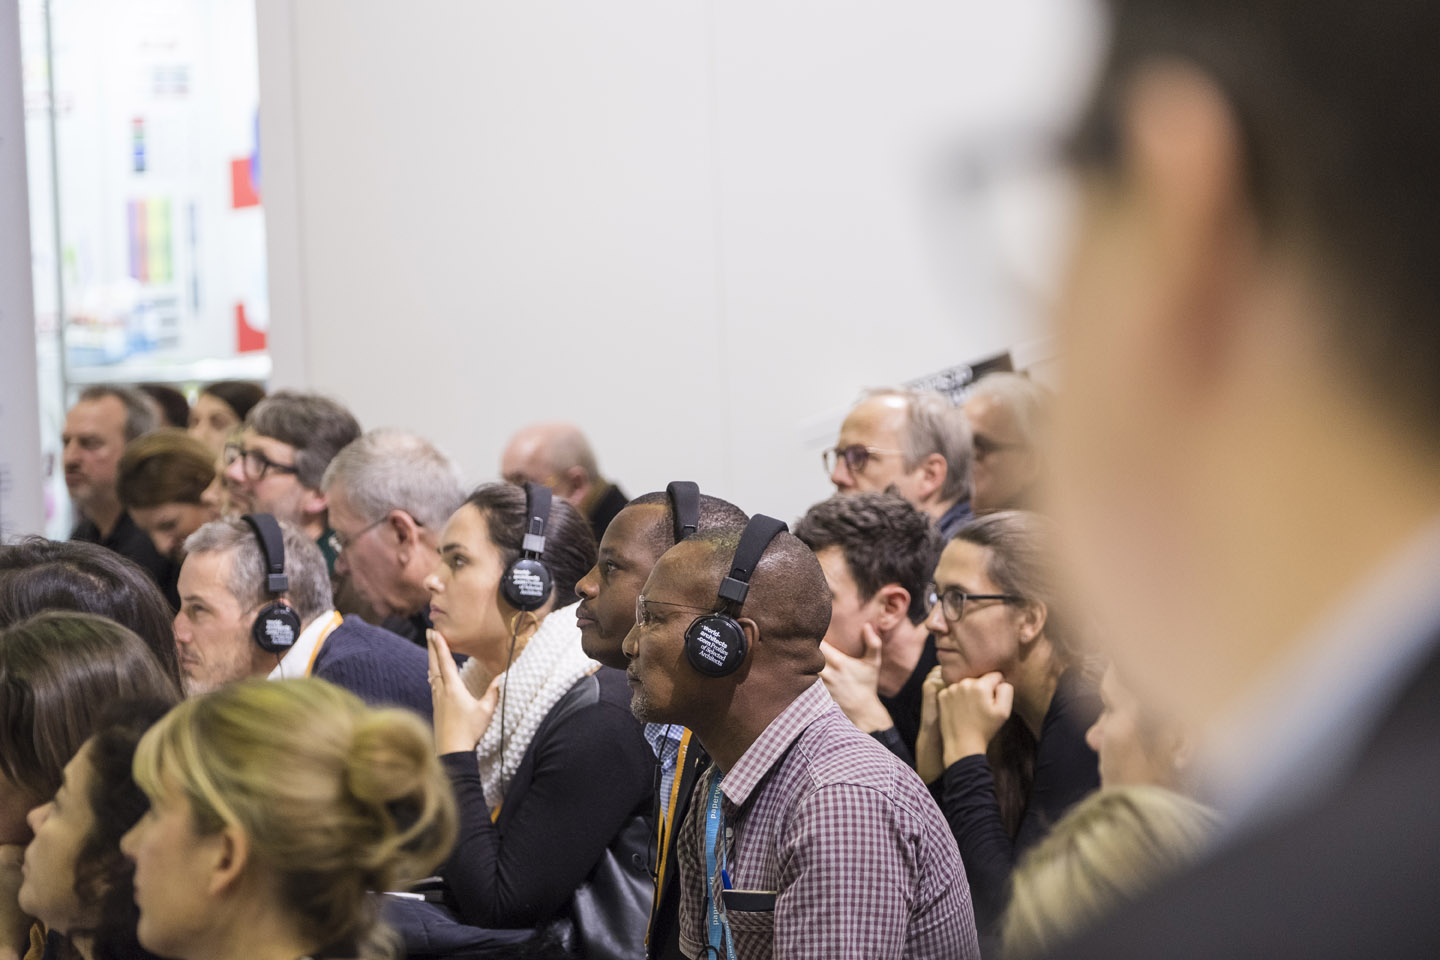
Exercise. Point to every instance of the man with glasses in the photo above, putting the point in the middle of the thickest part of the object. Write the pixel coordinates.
(916, 442)
(388, 495)
(1007, 414)
(806, 838)
(277, 463)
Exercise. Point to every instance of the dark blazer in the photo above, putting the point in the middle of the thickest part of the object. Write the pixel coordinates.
(376, 665)
(1353, 875)
(664, 939)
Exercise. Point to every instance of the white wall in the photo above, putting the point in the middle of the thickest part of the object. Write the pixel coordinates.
(696, 228)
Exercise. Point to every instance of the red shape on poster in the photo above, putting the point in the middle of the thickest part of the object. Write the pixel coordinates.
(242, 188)
(247, 338)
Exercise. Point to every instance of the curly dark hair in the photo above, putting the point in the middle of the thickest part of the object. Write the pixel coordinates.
(569, 541)
(104, 877)
(884, 540)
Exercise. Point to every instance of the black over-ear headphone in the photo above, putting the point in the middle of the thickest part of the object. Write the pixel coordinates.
(525, 584)
(277, 625)
(715, 644)
(684, 507)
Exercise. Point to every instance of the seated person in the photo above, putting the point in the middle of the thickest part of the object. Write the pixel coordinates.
(878, 553)
(220, 410)
(647, 527)
(818, 841)
(558, 456)
(560, 773)
(1003, 735)
(276, 811)
(172, 410)
(1136, 743)
(225, 590)
(77, 882)
(37, 575)
(1008, 414)
(1110, 848)
(58, 671)
(168, 485)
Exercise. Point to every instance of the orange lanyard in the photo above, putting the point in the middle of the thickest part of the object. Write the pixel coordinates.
(667, 826)
(335, 620)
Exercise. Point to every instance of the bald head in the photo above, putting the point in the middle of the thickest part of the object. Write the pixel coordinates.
(555, 454)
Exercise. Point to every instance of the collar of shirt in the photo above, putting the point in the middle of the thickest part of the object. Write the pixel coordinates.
(767, 750)
(1296, 733)
(660, 736)
(297, 658)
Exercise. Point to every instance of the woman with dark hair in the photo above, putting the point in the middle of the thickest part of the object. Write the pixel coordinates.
(76, 880)
(1004, 715)
(549, 765)
(58, 670)
(167, 482)
(220, 409)
(37, 575)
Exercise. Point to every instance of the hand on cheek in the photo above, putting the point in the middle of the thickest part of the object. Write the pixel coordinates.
(971, 713)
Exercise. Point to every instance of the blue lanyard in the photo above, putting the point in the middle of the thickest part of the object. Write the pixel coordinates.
(714, 825)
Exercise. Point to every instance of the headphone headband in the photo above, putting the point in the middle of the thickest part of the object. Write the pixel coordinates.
(272, 546)
(537, 514)
(757, 536)
(684, 507)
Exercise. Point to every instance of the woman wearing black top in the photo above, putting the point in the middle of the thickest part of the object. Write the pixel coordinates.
(544, 792)
(1004, 716)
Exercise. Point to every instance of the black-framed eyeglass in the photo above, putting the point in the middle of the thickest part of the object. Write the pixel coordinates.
(643, 617)
(856, 456)
(255, 464)
(953, 600)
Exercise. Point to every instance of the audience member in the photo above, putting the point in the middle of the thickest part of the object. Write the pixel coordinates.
(558, 456)
(226, 609)
(1251, 459)
(549, 768)
(220, 410)
(38, 575)
(171, 407)
(917, 443)
(277, 466)
(57, 673)
(1136, 743)
(1008, 414)
(389, 494)
(77, 883)
(1111, 847)
(878, 553)
(647, 527)
(1003, 737)
(167, 483)
(96, 430)
(277, 810)
(819, 842)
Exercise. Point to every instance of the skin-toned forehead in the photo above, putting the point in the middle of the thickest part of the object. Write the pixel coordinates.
(101, 415)
(689, 572)
(637, 534)
(966, 565)
(877, 418)
(206, 576)
(277, 450)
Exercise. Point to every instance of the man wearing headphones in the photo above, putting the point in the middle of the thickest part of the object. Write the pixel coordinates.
(255, 601)
(806, 838)
(637, 536)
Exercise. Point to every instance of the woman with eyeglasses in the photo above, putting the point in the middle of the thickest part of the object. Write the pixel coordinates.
(1004, 715)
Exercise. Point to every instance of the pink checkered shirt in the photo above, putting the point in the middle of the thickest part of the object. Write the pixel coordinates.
(862, 863)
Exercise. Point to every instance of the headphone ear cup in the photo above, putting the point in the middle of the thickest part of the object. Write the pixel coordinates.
(715, 645)
(526, 585)
(276, 628)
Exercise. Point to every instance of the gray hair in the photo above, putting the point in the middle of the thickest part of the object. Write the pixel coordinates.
(935, 425)
(140, 410)
(309, 591)
(393, 470)
(1026, 400)
(317, 427)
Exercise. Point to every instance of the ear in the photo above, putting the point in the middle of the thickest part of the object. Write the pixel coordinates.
(1184, 151)
(574, 484)
(932, 472)
(406, 532)
(1032, 621)
(225, 855)
(752, 635)
(892, 603)
(315, 502)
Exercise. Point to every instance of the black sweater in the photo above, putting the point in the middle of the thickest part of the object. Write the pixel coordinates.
(1066, 769)
(578, 784)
